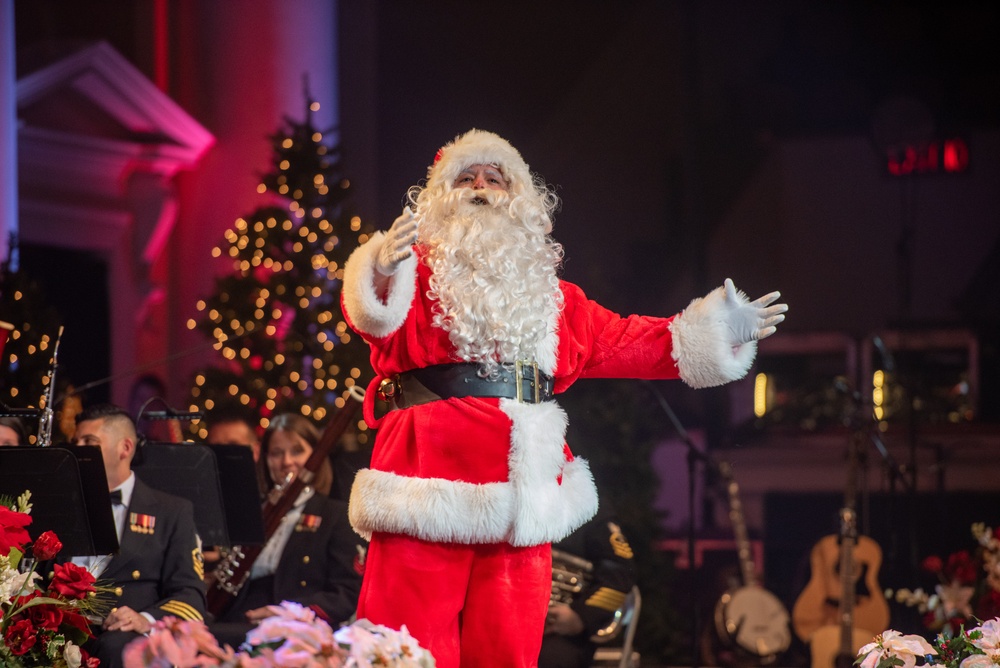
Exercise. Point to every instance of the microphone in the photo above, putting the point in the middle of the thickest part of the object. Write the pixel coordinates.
(28, 413)
(171, 414)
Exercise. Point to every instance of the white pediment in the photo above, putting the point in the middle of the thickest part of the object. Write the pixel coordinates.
(97, 97)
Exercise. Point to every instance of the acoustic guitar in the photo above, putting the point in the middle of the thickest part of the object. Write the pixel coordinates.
(749, 619)
(842, 606)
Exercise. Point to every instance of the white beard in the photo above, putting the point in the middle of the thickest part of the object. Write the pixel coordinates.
(493, 276)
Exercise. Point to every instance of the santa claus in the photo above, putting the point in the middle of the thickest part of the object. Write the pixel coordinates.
(472, 334)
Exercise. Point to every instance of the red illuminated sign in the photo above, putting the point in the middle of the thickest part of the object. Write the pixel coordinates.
(948, 156)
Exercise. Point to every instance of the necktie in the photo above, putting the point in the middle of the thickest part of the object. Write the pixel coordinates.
(116, 497)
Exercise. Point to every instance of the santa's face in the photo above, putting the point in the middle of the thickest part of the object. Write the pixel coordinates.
(480, 251)
(481, 177)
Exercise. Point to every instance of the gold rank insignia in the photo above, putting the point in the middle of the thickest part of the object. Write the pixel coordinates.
(309, 523)
(619, 545)
(198, 562)
(140, 523)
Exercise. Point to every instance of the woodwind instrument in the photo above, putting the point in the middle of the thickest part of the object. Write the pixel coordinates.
(233, 570)
(47, 416)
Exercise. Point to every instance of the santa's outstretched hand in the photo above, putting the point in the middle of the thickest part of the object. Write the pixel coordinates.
(398, 243)
(751, 321)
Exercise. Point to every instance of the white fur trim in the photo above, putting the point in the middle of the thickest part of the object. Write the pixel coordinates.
(364, 307)
(546, 351)
(479, 147)
(546, 509)
(532, 509)
(702, 349)
(430, 508)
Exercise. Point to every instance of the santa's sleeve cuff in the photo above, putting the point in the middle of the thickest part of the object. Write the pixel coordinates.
(370, 313)
(701, 344)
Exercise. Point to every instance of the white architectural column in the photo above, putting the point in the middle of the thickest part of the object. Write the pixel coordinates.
(8, 128)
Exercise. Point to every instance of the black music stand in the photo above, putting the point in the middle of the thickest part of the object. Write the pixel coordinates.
(69, 495)
(187, 470)
(238, 477)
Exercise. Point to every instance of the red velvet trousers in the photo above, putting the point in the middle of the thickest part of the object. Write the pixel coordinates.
(474, 606)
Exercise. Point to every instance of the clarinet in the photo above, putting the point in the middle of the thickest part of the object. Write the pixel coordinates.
(234, 569)
(47, 416)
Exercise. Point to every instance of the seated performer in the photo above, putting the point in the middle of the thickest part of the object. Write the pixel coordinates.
(232, 425)
(570, 625)
(158, 570)
(314, 558)
(12, 431)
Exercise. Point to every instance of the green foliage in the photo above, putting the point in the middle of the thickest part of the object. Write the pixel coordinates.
(283, 341)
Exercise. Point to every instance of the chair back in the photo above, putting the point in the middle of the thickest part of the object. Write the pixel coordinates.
(624, 624)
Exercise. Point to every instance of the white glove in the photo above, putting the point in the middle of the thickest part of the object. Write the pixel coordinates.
(398, 243)
(751, 321)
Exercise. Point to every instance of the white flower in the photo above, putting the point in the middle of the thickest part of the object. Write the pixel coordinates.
(990, 640)
(893, 643)
(12, 582)
(72, 656)
(375, 645)
(988, 660)
(956, 599)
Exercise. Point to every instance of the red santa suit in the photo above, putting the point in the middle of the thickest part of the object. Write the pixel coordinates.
(465, 494)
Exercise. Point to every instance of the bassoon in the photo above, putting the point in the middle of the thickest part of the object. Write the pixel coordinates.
(233, 570)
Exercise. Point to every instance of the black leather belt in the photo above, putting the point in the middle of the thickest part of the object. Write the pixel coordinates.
(522, 381)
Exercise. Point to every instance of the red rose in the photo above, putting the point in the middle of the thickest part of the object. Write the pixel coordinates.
(962, 567)
(932, 564)
(87, 661)
(20, 637)
(46, 546)
(12, 532)
(72, 581)
(45, 616)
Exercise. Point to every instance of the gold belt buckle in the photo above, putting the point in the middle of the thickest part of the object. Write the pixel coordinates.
(519, 366)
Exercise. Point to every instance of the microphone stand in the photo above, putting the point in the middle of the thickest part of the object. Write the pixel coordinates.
(694, 455)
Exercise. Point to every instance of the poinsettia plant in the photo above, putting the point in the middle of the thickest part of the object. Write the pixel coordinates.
(41, 627)
(292, 637)
(968, 586)
(976, 648)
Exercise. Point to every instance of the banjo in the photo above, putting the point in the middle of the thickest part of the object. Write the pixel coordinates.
(750, 619)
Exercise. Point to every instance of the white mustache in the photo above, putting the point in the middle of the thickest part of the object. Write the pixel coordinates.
(494, 198)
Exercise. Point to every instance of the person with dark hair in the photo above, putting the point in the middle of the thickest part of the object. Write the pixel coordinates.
(314, 558)
(158, 570)
(233, 425)
(13, 431)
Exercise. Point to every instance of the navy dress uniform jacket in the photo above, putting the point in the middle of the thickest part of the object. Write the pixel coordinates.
(320, 566)
(159, 567)
(158, 570)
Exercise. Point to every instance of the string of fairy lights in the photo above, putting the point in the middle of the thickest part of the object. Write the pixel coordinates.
(276, 319)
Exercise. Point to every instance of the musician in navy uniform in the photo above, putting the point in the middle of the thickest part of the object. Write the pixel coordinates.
(158, 570)
(569, 627)
(314, 558)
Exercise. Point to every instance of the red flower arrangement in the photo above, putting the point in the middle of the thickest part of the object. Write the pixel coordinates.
(968, 589)
(41, 627)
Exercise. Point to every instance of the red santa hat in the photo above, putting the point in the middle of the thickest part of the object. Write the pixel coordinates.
(478, 147)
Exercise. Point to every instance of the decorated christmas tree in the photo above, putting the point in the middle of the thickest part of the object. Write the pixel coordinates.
(29, 330)
(283, 343)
